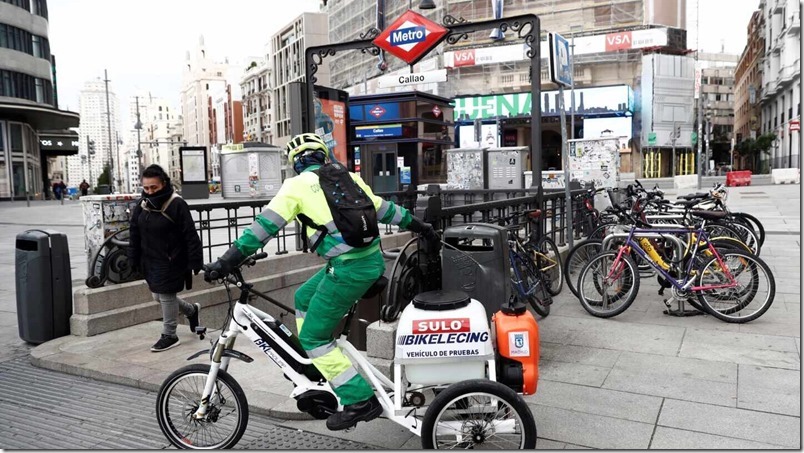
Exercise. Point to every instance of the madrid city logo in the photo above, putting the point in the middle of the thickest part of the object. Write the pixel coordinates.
(519, 341)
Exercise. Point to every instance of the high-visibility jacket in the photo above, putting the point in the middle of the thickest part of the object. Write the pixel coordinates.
(302, 194)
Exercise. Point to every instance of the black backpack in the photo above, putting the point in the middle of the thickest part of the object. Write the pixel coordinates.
(352, 210)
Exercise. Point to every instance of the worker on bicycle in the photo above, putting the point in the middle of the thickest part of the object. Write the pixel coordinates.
(325, 298)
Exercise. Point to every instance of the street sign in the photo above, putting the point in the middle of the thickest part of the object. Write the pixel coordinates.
(651, 138)
(439, 75)
(559, 60)
(795, 125)
(694, 138)
(410, 37)
(436, 111)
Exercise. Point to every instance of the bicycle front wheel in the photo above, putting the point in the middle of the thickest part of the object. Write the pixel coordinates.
(179, 398)
(478, 413)
(750, 286)
(608, 284)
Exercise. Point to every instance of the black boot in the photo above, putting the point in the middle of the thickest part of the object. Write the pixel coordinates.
(363, 411)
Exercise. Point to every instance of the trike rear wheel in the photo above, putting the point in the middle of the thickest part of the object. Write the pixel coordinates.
(478, 413)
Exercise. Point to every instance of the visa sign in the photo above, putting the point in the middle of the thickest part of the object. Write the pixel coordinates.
(410, 35)
(618, 41)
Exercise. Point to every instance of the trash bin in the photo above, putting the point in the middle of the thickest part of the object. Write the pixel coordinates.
(477, 243)
(43, 285)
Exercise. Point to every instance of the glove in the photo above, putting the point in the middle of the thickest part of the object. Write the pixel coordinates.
(424, 229)
(224, 265)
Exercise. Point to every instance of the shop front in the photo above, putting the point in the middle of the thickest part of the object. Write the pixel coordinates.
(505, 118)
(399, 140)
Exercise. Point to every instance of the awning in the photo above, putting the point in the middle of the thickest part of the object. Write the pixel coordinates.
(58, 143)
(39, 117)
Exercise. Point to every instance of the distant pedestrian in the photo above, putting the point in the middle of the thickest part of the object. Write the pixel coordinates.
(57, 190)
(84, 187)
(165, 247)
(63, 188)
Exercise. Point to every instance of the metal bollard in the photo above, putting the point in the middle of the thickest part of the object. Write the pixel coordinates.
(28, 198)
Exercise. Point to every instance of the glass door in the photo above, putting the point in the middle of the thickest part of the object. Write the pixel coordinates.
(383, 171)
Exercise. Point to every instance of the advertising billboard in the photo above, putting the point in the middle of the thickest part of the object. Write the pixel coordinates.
(331, 107)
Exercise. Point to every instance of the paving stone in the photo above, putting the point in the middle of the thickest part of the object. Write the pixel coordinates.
(578, 354)
(610, 334)
(677, 439)
(609, 403)
(379, 433)
(573, 373)
(769, 390)
(753, 349)
(590, 430)
(732, 422)
(546, 444)
(675, 377)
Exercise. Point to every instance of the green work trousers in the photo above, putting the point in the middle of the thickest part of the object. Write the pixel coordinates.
(321, 303)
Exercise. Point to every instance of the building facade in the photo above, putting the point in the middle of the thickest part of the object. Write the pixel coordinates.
(33, 131)
(201, 75)
(609, 40)
(718, 101)
(748, 86)
(96, 149)
(256, 91)
(781, 81)
(287, 49)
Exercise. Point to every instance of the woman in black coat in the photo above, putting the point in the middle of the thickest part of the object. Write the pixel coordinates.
(165, 248)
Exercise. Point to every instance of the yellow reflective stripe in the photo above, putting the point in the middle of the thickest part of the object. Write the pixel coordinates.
(274, 217)
(335, 366)
(321, 350)
(343, 378)
(338, 249)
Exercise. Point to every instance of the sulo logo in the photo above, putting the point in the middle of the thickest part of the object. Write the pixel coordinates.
(446, 325)
(408, 35)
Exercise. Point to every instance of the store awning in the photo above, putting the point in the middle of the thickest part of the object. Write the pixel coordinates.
(58, 143)
(40, 118)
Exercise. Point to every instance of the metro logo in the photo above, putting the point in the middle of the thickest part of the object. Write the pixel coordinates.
(409, 35)
(377, 111)
(445, 325)
(618, 41)
(464, 57)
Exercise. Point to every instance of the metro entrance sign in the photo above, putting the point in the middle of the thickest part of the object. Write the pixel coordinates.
(410, 37)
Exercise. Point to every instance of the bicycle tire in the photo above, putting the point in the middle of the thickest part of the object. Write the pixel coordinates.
(165, 420)
(555, 276)
(627, 293)
(453, 396)
(576, 259)
(759, 228)
(726, 314)
(531, 279)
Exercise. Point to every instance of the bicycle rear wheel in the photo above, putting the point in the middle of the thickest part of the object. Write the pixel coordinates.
(531, 287)
(608, 285)
(548, 261)
(179, 398)
(749, 299)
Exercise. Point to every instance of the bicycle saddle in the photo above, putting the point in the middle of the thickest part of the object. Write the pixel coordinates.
(693, 196)
(687, 203)
(376, 287)
(709, 215)
(439, 300)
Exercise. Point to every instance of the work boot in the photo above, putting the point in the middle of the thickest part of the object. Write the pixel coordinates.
(363, 411)
(193, 318)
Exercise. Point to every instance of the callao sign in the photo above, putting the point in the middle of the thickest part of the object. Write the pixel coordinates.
(398, 80)
(410, 37)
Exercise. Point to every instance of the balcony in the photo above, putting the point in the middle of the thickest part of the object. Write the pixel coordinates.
(795, 24)
(778, 6)
(787, 74)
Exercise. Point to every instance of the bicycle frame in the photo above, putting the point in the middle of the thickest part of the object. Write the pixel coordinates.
(686, 283)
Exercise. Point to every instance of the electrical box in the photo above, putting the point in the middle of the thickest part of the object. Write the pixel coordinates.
(506, 167)
(251, 170)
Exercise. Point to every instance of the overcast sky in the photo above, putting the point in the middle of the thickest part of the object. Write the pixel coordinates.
(143, 43)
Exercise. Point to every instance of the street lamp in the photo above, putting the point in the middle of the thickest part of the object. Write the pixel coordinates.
(572, 86)
(427, 4)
